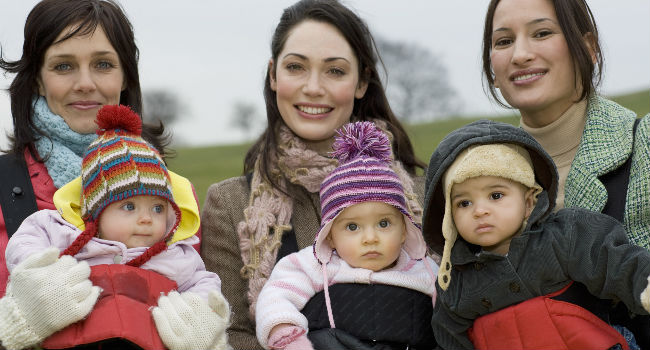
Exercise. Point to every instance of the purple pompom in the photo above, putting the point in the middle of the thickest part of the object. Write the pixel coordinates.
(361, 139)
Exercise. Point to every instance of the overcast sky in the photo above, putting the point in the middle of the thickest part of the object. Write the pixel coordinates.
(213, 53)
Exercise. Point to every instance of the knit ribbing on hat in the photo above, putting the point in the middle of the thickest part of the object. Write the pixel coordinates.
(364, 173)
(120, 164)
(361, 180)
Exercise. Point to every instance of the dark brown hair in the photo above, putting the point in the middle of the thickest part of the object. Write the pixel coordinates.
(577, 24)
(44, 24)
(373, 105)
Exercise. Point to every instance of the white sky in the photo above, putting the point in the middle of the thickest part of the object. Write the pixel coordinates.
(213, 53)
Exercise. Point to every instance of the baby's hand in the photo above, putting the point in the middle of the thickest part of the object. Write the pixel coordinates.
(289, 337)
(185, 321)
(645, 297)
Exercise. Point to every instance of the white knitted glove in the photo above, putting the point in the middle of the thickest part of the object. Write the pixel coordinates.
(186, 321)
(45, 294)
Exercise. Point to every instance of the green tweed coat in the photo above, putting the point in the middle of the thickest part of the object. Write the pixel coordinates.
(606, 144)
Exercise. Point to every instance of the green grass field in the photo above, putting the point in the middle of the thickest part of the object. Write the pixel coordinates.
(207, 165)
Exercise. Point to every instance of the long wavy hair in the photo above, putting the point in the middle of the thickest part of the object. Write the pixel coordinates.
(373, 105)
(44, 24)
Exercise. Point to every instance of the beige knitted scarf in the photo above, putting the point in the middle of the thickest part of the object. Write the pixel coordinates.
(269, 211)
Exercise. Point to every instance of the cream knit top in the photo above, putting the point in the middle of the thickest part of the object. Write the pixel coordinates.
(560, 140)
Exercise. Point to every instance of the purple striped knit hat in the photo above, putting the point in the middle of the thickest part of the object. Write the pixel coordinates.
(363, 175)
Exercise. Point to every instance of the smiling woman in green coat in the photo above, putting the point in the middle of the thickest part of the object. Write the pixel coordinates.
(545, 59)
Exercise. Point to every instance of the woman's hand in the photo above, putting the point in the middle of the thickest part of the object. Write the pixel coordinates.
(185, 321)
(45, 294)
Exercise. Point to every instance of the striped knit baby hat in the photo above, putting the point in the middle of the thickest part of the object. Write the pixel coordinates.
(118, 165)
(363, 175)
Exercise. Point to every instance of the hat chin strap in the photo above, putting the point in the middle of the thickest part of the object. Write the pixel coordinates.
(328, 304)
(81, 240)
(148, 254)
(445, 266)
(90, 232)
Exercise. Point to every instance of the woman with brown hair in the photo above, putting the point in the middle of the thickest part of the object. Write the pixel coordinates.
(321, 75)
(544, 57)
(78, 55)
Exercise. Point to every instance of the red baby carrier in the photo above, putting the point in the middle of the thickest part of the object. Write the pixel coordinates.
(121, 317)
(544, 323)
(122, 309)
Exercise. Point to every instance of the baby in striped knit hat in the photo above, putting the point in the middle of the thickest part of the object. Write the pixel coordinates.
(120, 247)
(367, 279)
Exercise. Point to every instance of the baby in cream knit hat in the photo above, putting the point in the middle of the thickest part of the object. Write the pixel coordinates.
(514, 273)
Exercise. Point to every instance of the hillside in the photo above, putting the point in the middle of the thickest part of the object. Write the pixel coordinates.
(207, 165)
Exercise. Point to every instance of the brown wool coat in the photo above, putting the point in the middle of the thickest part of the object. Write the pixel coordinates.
(222, 212)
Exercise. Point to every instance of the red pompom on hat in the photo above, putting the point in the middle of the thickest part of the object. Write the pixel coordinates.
(118, 117)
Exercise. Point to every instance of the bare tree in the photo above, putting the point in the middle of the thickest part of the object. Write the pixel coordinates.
(162, 105)
(243, 117)
(417, 86)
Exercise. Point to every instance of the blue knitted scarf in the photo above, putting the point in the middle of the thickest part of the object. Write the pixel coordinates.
(61, 148)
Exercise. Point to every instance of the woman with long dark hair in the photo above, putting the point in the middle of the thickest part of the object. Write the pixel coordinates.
(321, 75)
(78, 55)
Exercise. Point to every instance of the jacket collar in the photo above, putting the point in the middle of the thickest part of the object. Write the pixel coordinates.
(605, 145)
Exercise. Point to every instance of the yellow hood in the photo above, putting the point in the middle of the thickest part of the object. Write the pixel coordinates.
(67, 201)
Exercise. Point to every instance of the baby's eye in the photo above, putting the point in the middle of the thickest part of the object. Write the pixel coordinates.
(128, 206)
(384, 223)
(352, 227)
(159, 208)
(496, 195)
(464, 204)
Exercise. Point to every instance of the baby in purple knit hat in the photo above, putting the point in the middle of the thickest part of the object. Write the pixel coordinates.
(367, 270)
